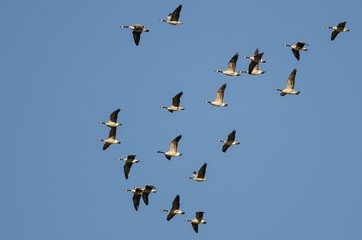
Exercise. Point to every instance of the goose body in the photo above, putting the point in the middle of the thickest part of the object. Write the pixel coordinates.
(137, 29)
(230, 141)
(129, 160)
(137, 193)
(173, 149)
(175, 209)
(337, 29)
(197, 220)
(290, 85)
(230, 71)
(255, 59)
(111, 138)
(173, 17)
(146, 191)
(112, 120)
(200, 175)
(299, 46)
(219, 100)
(255, 71)
(175, 104)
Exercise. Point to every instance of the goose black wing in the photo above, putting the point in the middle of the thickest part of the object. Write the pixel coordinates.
(252, 65)
(231, 136)
(136, 37)
(202, 171)
(127, 168)
(170, 216)
(199, 216)
(334, 35)
(114, 115)
(112, 133)
(296, 54)
(176, 203)
(145, 197)
(341, 25)
(176, 14)
(195, 227)
(106, 145)
(232, 62)
(225, 147)
(136, 201)
(176, 99)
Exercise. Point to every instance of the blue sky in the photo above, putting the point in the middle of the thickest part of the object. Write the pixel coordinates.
(67, 65)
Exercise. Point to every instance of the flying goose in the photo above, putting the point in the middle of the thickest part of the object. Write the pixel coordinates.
(137, 193)
(299, 46)
(111, 138)
(197, 220)
(172, 18)
(130, 159)
(146, 191)
(112, 119)
(255, 59)
(219, 100)
(230, 141)
(337, 29)
(137, 29)
(173, 148)
(255, 71)
(290, 85)
(175, 103)
(199, 176)
(175, 208)
(230, 71)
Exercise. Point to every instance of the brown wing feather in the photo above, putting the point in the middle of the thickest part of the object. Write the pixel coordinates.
(136, 201)
(232, 62)
(231, 136)
(136, 37)
(176, 203)
(202, 171)
(334, 35)
(296, 53)
(127, 168)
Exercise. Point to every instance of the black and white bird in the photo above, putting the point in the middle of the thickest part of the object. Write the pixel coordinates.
(219, 100)
(255, 71)
(130, 159)
(230, 141)
(173, 17)
(137, 193)
(111, 138)
(230, 71)
(146, 191)
(197, 220)
(112, 119)
(200, 175)
(299, 46)
(337, 29)
(175, 104)
(175, 209)
(290, 85)
(173, 152)
(137, 29)
(255, 59)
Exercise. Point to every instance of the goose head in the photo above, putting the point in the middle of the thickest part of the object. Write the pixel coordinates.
(160, 152)
(101, 122)
(286, 45)
(189, 178)
(218, 71)
(100, 140)
(277, 89)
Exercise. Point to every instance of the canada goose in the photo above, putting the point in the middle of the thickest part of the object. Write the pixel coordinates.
(173, 17)
(173, 148)
(111, 138)
(137, 192)
(255, 71)
(299, 46)
(230, 71)
(337, 29)
(112, 119)
(230, 141)
(130, 159)
(255, 59)
(137, 29)
(290, 85)
(175, 208)
(146, 191)
(175, 103)
(219, 100)
(197, 220)
(199, 176)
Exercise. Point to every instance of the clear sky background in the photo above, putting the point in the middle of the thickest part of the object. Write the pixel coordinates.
(65, 65)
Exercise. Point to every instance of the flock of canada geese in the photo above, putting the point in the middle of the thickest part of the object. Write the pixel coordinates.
(255, 60)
